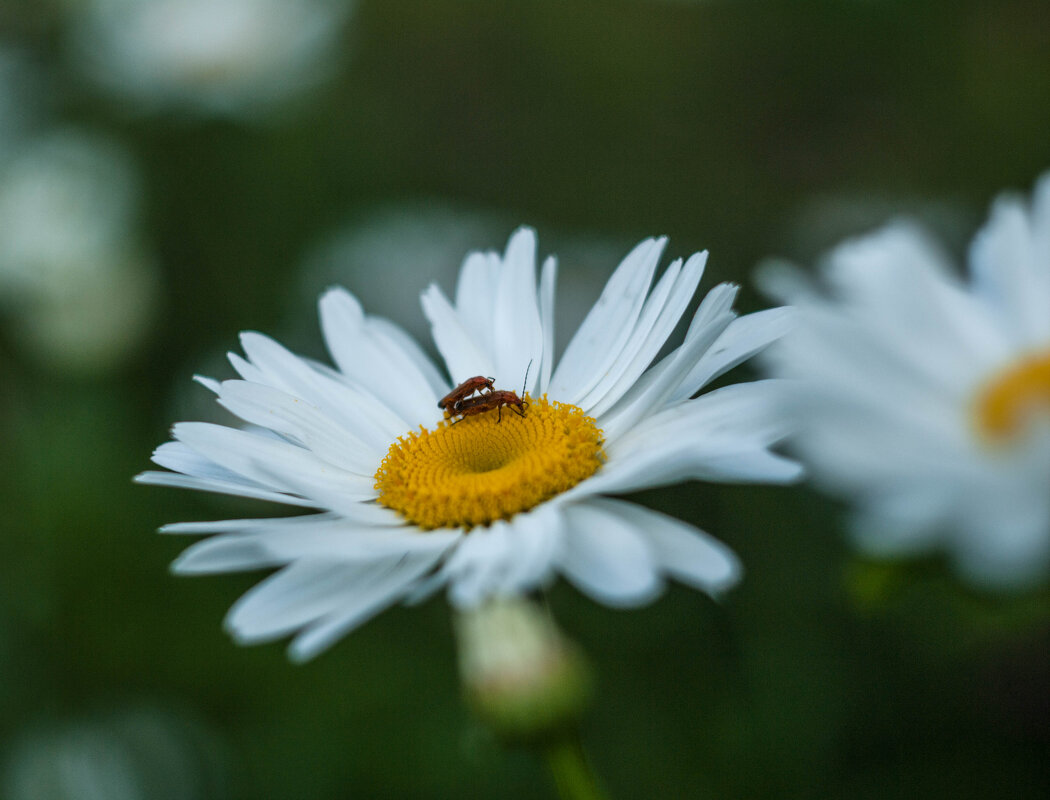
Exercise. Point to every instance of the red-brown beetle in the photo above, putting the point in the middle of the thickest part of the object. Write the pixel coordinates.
(495, 399)
(464, 390)
(487, 402)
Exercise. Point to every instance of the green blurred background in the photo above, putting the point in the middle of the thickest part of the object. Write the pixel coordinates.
(748, 128)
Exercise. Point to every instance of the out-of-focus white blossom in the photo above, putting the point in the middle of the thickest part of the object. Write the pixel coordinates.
(223, 57)
(65, 200)
(414, 243)
(77, 285)
(925, 398)
(96, 319)
(133, 753)
(21, 91)
(824, 220)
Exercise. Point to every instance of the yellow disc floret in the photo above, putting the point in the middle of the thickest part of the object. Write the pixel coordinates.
(1008, 401)
(489, 466)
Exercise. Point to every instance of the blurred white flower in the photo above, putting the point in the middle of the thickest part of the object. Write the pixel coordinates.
(65, 199)
(75, 280)
(499, 502)
(423, 242)
(97, 319)
(223, 57)
(389, 249)
(21, 91)
(824, 220)
(131, 753)
(926, 399)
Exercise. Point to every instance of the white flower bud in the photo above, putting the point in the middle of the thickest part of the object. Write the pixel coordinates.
(521, 676)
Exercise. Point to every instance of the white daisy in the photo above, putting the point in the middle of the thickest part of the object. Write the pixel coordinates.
(234, 57)
(77, 283)
(924, 399)
(501, 501)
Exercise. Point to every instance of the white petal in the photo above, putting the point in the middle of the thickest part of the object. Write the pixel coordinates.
(289, 415)
(653, 392)
(517, 335)
(176, 481)
(1010, 275)
(785, 282)
(247, 370)
(640, 329)
(548, 278)
(505, 558)
(607, 557)
(906, 521)
(476, 296)
(650, 335)
(180, 458)
(265, 461)
(899, 286)
(476, 568)
(608, 325)
(464, 355)
(354, 407)
(1007, 550)
(687, 553)
(202, 473)
(210, 384)
(247, 525)
(852, 370)
(720, 464)
(744, 337)
(299, 594)
(331, 491)
(721, 436)
(412, 350)
(382, 588)
(536, 537)
(716, 304)
(748, 413)
(318, 536)
(220, 554)
(366, 354)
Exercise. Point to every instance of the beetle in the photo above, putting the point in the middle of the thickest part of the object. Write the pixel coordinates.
(494, 399)
(487, 402)
(465, 389)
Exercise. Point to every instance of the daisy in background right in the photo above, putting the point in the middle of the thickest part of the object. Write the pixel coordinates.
(923, 396)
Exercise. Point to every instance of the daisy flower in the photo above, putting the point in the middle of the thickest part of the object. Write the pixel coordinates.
(924, 398)
(232, 58)
(406, 501)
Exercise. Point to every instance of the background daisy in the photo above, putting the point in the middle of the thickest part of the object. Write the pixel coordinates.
(925, 398)
(236, 58)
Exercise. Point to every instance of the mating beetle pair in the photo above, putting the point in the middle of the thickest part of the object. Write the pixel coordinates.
(459, 400)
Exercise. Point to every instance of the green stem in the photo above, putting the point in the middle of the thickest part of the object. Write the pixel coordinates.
(569, 768)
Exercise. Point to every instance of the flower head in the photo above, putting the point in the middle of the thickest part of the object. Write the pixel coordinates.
(77, 283)
(500, 491)
(232, 58)
(926, 399)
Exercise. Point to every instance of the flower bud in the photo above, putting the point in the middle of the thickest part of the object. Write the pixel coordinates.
(521, 676)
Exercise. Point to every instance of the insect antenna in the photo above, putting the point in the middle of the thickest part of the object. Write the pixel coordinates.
(525, 383)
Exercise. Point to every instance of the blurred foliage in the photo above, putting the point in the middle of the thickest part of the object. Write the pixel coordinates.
(723, 124)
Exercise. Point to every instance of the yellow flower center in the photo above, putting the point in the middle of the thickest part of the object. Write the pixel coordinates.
(1009, 401)
(489, 466)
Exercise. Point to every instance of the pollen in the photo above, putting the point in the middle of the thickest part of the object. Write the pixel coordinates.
(485, 468)
(1009, 401)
